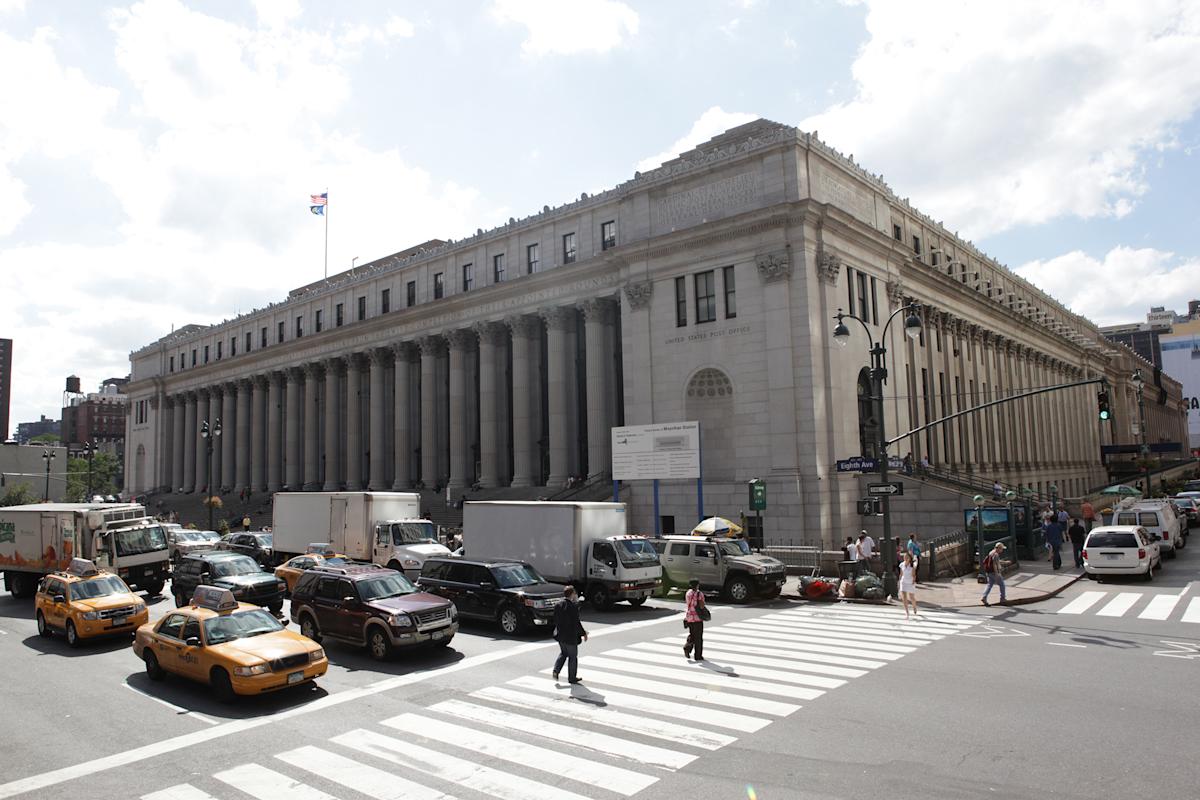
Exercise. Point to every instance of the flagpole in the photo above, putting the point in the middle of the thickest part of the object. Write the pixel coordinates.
(326, 215)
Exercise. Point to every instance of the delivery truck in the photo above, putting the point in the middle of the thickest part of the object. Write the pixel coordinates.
(41, 538)
(583, 544)
(383, 528)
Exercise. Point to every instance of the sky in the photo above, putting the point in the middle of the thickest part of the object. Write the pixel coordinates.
(157, 157)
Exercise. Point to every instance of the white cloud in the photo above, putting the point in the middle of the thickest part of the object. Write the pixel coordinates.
(11, 6)
(276, 13)
(399, 27)
(1003, 115)
(558, 27)
(712, 122)
(1120, 288)
(730, 28)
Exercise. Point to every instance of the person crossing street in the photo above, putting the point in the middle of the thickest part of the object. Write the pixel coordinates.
(568, 632)
(693, 620)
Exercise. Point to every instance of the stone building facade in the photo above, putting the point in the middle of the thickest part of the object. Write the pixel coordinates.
(701, 290)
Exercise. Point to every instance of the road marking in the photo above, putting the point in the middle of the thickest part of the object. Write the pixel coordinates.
(712, 667)
(1193, 611)
(847, 656)
(590, 740)
(451, 769)
(1186, 650)
(577, 709)
(739, 658)
(1082, 603)
(648, 705)
(714, 697)
(860, 648)
(843, 630)
(178, 709)
(867, 623)
(1064, 644)
(1119, 604)
(704, 677)
(994, 632)
(183, 791)
(1160, 606)
(360, 777)
(892, 613)
(267, 784)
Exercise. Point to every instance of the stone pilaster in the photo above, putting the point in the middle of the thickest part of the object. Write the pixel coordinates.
(312, 426)
(402, 379)
(378, 441)
(333, 424)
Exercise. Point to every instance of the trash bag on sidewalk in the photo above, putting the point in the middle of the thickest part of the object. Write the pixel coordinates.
(865, 582)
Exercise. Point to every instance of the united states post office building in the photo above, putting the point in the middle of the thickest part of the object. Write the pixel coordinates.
(702, 290)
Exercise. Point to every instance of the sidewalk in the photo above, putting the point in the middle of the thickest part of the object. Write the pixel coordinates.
(1033, 582)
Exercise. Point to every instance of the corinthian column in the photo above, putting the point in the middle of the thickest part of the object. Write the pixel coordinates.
(333, 369)
(242, 435)
(258, 433)
(312, 427)
(190, 435)
(461, 342)
(597, 316)
(178, 422)
(524, 390)
(201, 446)
(293, 472)
(431, 349)
(229, 423)
(490, 336)
(274, 421)
(378, 442)
(354, 453)
(558, 322)
(402, 448)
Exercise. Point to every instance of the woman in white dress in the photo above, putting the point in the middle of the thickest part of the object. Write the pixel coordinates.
(908, 581)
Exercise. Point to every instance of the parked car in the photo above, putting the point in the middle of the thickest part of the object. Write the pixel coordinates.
(1159, 520)
(291, 570)
(1121, 550)
(720, 565)
(511, 593)
(233, 571)
(256, 544)
(183, 542)
(367, 605)
(1189, 504)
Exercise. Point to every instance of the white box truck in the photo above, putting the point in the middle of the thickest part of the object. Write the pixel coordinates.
(583, 544)
(381, 527)
(41, 538)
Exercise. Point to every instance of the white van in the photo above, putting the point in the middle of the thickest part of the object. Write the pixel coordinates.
(1159, 520)
(1120, 550)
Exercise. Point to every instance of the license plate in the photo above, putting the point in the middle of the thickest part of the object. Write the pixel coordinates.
(437, 635)
(118, 621)
(295, 677)
(1112, 556)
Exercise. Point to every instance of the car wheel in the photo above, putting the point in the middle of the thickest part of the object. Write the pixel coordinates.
(1149, 576)
(308, 628)
(154, 589)
(154, 670)
(378, 643)
(276, 607)
(222, 686)
(510, 622)
(599, 598)
(43, 628)
(180, 601)
(738, 590)
(663, 589)
(637, 602)
(72, 634)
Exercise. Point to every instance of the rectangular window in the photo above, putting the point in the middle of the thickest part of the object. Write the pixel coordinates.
(279, 332)
(183, 361)
(680, 302)
(468, 277)
(232, 346)
(219, 349)
(410, 294)
(860, 282)
(730, 293)
(205, 354)
(897, 234)
(850, 288)
(299, 326)
(531, 259)
(706, 296)
(318, 321)
(874, 306)
(172, 363)
(498, 268)
(608, 234)
(339, 315)
(439, 286)
(385, 301)
(362, 308)
(569, 248)
(934, 258)
(917, 245)
(262, 339)
(249, 341)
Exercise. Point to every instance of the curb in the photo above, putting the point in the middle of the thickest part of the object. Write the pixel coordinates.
(1023, 601)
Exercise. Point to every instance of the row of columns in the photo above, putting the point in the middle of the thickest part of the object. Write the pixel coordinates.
(304, 427)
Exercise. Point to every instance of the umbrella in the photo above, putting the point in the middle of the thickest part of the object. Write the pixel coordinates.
(717, 526)
(1121, 489)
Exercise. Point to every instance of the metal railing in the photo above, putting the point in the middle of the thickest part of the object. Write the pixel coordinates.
(805, 558)
(974, 485)
(946, 540)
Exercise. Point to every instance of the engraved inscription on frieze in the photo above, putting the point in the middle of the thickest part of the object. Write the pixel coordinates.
(708, 201)
(843, 196)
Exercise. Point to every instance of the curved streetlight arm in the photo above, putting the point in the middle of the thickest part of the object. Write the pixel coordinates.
(913, 307)
(841, 315)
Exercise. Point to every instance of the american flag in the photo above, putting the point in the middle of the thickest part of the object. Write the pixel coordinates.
(319, 199)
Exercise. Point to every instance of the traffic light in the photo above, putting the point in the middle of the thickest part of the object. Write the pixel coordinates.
(1102, 406)
(870, 507)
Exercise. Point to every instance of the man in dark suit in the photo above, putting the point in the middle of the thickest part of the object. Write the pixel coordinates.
(568, 631)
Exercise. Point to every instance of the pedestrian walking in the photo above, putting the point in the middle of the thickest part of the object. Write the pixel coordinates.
(908, 584)
(991, 571)
(1089, 515)
(850, 549)
(246, 522)
(908, 464)
(693, 620)
(997, 490)
(1077, 533)
(1063, 517)
(568, 632)
(1053, 534)
(914, 549)
(925, 465)
(866, 548)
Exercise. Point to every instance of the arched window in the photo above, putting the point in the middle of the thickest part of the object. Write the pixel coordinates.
(868, 424)
(709, 401)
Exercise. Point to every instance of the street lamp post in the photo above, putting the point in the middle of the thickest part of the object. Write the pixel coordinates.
(1139, 384)
(47, 456)
(209, 436)
(978, 500)
(89, 450)
(841, 334)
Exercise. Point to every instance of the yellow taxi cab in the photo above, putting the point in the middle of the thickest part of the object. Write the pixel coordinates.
(85, 603)
(318, 555)
(236, 648)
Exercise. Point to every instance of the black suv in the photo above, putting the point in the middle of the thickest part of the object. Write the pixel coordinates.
(256, 544)
(233, 571)
(509, 592)
(363, 604)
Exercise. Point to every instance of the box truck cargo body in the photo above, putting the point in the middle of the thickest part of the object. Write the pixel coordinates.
(384, 528)
(583, 544)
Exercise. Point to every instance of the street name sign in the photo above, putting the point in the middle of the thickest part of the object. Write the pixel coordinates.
(656, 452)
(893, 487)
(860, 464)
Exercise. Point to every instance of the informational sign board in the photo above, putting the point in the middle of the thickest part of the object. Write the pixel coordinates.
(662, 451)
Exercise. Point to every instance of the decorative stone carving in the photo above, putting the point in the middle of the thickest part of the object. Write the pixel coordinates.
(432, 345)
(524, 325)
(895, 291)
(638, 294)
(404, 351)
(379, 356)
(829, 265)
(461, 339)
(776, 266)
(558, 318)
(153, 402)
(294, 374)
(312, 371)
(597, 309)
(490, 333)
(261, 382)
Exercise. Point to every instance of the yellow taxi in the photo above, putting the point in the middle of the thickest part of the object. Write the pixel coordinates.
(318, 555)
(236, 648)
(85, 603)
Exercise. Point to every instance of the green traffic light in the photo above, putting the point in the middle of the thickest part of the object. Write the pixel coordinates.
(1104, 415)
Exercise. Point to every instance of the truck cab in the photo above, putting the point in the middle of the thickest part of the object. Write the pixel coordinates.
(404, 544)
(621, 568)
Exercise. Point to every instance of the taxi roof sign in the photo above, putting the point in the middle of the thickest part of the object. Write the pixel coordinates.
(82, 568)
(320, 548)
(214, 598)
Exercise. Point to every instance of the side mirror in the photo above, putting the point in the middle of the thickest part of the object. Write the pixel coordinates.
(487, 585)
(349, 601)
(205, 575)
(192, 641)
(58, 598)
(611, 563)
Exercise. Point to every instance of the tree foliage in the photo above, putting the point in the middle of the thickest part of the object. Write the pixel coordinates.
(104, 474)
(45, 438)
(18, 494)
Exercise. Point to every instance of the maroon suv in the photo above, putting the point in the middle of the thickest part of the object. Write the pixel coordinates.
(366, 605)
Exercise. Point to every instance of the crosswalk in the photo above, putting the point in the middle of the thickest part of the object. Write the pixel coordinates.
(1142, 605)
(643, 713)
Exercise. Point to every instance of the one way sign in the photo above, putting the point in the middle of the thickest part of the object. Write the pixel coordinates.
(894, 487)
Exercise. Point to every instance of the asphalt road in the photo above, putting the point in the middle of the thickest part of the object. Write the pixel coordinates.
(797, 700)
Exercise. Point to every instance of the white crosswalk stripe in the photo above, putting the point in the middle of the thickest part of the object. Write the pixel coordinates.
(1159, 607)
(705, 677)
(364, 778)
(183, 791)
(714, 697)
(1193, 611)
(1082, 603)
(842, 630)
(738, 657)
(860, 648)
(847, 656)
(918, 624)
(267, 784)
(786, 674)
(1119, 604)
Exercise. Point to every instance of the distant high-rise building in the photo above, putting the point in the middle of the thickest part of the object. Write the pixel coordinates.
(6, 346)
(28, 430)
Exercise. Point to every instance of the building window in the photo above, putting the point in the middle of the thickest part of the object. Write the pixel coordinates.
(172, 363)
(362, 308)
(205, 354)
(385, 301)
(183, 361)
(569, 248)
(410, 294)
(280, 332)
(850, 271)
(468, 277)
(262, 338)
(608, 234)
(439, 286)
(730, 292)
(531, 259)
(249, 341)
(232, 346)
(299, 326)
(339, 315)
(934, 258)
(317, 321)
(219, 348)
(706, 296)
(917, 245)
(498, 268)
(874, 306)
(680, 302)
(897, 234)
(860, 282)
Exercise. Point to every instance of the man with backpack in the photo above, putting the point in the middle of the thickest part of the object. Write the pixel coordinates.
(991, 571)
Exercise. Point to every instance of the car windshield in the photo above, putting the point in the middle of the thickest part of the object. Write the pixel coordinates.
(239, 625)
(209, 536)
(98, 587)
(413, 533)
(189, 536)
(264, 539)
(135, 541)
(636, 552)
(511, 576)
(242, 565)
(1103, 539)
(383, 587)
(334, 561)
(730, 548)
